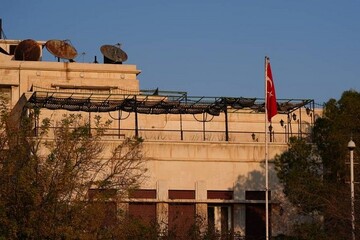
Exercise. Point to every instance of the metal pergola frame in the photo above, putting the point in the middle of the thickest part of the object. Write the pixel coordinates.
(159, 103)
(156, 104)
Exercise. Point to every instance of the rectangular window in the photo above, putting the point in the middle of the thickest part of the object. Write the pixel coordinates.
(256, 195)
(102, 206)
(255, 222)
(104, 211)
(216, 194)
(181, 194)
(143, 193)
(181, 220)
(145, 212)
(101, 194)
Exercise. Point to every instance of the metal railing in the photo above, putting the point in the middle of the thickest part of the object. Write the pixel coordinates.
(192, 135)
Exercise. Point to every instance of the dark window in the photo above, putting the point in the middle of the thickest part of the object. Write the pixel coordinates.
(143, 193)
(103, 212)
(97, 194)
(255, 222)
(255, 215)
(215, 194)
(145, 212)
(181, 194)
(102, 208)
(181, 220)
(256, 195)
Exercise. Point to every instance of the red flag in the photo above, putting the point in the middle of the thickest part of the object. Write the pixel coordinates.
(271, 105)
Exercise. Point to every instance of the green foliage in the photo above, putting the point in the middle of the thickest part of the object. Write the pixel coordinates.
(310, 231)
(300, 171)
(135, 229)
(315, 176)
(45, 181)
(341, 122)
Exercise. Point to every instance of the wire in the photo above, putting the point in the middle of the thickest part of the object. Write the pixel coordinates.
(204, 118)
(120, 116)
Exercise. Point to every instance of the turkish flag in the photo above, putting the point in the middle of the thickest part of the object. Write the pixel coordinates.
(271, 105)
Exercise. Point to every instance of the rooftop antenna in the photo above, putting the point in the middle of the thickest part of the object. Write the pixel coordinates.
(3, 51)
(1, 31)
(83, 56)
(61, 49)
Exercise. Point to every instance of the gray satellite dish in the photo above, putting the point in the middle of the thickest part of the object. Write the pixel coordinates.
(61, 49)
(113, 54)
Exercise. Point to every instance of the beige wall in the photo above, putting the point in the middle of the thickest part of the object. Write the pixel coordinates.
(24, 76)
(221, 166)
(193, 163)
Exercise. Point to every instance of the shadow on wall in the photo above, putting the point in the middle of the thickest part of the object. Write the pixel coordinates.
(282, 211)
(254, 180)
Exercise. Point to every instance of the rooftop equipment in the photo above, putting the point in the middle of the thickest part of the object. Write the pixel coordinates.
(113, 54)
(61, 49)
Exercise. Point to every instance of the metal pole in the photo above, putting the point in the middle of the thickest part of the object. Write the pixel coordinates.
(181, 128)
(226, 124)
(204, 131)
(266, 161)
(299, 123)
(119, 119)
(1, 31)
(136, 119)
(351, 147)
(89, 123)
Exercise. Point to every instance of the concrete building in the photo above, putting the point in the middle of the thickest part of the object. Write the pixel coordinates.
(205, 155)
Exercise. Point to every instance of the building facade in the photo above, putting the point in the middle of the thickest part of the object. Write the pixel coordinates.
(205, 156)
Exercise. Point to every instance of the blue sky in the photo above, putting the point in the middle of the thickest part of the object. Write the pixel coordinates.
(209, 47)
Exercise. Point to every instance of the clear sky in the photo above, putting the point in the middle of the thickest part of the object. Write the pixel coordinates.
(209, 47)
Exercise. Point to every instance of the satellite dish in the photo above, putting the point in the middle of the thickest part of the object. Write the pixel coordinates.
(27, 50)
(61, 49)
(113, 53)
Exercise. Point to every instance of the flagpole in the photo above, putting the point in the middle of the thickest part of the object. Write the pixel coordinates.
(266, 157)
